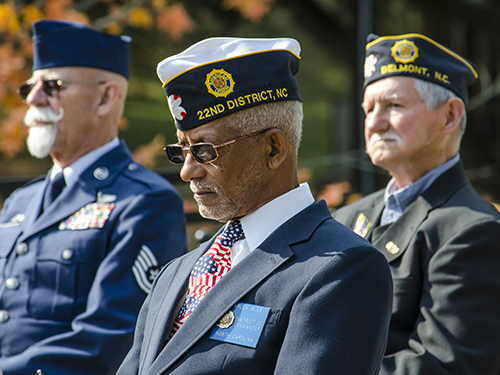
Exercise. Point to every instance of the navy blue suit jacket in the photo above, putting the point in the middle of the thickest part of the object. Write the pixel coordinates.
(72, 280)
(328, 289)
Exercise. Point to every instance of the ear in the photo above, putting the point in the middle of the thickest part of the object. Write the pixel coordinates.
(454, 111)
(109, 92)
(278, 148)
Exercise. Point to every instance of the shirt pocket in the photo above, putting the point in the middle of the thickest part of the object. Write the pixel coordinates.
(64, 272)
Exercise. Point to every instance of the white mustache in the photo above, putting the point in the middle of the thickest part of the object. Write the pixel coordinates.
(42, 114)
(391, 136)
(200, 185)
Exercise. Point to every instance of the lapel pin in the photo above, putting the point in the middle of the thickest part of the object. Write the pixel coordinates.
(392, 247)
(227, 320)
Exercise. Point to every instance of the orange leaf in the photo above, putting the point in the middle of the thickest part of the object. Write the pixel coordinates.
(253, 10)
(31, 14)
(57, 8)
(140, 17)
(8, 19)
(12, 133)
(175, 21)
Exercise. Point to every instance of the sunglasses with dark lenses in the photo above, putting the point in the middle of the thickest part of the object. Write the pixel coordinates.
(202, 152)
(50, 87)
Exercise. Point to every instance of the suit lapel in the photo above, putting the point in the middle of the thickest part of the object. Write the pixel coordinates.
(73, 198)
(222, 297)
(174, 292)
(366, 218)
(258, 265)
(395, 240)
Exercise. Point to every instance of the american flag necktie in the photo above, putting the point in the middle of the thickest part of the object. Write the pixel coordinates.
(208, 270)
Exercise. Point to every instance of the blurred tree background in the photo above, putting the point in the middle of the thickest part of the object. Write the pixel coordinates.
(332, 35)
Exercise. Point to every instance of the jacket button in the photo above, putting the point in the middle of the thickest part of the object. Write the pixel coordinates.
(22, 248)
(4, 316)
(12, 283)
(67, 254)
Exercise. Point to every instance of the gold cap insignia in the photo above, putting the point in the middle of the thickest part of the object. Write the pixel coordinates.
(404, 51)
(219, 83)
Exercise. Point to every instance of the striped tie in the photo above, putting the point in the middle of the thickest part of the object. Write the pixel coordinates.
(208, 270)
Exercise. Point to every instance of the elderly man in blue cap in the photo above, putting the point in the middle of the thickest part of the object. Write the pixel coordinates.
(80, 248)
(283, 288)
(440, 237)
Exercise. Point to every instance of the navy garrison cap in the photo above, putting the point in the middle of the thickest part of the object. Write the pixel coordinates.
(58, 43)
(220, 76)
(415, 55)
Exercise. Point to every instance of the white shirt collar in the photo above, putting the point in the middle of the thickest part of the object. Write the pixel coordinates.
(73, 171)
(259, 224)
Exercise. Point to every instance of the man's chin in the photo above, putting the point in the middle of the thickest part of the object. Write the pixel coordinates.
(40, 140)
(211, 214)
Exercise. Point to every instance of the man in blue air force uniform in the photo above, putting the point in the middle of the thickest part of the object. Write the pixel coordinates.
(440, 237)
(80, 248)
(283, 289)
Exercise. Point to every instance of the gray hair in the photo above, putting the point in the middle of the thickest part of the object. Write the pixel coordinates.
(435, 95)
(286, 116)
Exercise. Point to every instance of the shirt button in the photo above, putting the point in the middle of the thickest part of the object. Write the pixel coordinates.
(133, 167)
(12, 283)
(22, 248)
(67, 254)
(4, 316)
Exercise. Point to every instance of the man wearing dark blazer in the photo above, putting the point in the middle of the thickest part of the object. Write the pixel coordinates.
(75, 267)
(440, 237)
(292, 291)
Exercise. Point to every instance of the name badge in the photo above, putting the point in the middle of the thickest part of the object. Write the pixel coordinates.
(242, 325)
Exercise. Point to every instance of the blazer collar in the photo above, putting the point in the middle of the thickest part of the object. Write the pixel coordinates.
(99, 175)
(395, 240)
(244, 277)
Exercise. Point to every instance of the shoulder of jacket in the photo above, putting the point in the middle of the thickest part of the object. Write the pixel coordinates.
(138, 173)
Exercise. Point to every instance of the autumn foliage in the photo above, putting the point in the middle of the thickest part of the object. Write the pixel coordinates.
(114, 16)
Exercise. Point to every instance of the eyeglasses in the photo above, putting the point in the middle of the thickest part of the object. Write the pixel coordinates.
(202, 152)
(50, 87)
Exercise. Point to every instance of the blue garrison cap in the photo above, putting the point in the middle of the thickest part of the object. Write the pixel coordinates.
(220, 76)
(58, 43)
(415, 55)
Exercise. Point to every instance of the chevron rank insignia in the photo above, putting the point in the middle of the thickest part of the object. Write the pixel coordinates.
(362, 225)
(145, 269)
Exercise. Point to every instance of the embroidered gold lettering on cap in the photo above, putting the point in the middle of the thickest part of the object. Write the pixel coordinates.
(227, 320)
(392, 247)
(404, 51)
(219, 83)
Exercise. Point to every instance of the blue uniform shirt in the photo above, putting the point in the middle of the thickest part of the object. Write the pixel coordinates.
(72, 280)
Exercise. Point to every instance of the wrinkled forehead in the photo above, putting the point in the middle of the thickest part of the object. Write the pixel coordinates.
(212, 132)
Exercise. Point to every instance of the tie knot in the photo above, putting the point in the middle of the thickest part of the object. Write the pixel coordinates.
(232, 233)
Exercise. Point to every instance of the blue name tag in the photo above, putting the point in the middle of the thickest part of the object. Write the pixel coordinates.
(241, 325)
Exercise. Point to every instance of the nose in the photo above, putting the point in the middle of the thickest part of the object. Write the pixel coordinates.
(37, 97)
(377, 120)
(191, 168)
